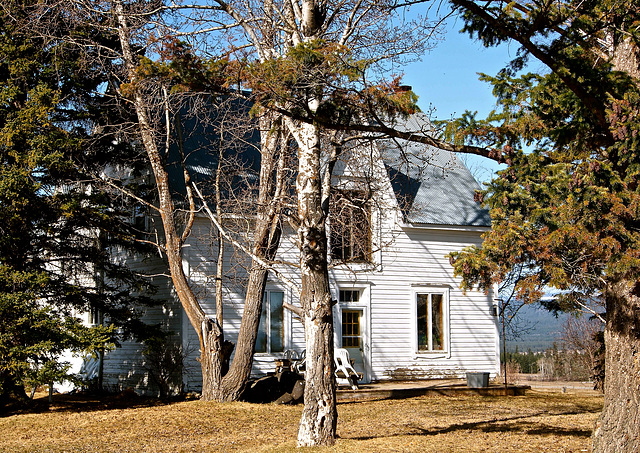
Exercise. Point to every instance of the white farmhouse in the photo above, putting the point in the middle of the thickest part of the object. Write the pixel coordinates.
(399, 210)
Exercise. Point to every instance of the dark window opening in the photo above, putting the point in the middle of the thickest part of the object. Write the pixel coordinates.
(430, 312)
(350, 224)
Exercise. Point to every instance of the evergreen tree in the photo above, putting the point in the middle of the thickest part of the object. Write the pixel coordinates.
(54, 258)
(567, 210)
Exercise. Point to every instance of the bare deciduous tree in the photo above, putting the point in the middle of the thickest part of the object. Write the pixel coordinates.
(150, 104)
(309, 64)
(302, 39)
(580, 335)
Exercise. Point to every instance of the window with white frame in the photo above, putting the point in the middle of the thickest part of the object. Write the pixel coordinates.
(432, 320)
(271, 331)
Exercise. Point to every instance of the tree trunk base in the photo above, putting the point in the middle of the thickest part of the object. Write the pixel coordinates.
(319, 417)
(618, 427)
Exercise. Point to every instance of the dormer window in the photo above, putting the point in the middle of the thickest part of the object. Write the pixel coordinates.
(350, 225)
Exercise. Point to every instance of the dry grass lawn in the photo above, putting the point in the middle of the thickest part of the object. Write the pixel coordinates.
(537, 422)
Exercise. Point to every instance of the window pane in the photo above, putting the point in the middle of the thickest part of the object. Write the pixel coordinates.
(437, 320)
(277, 321)
(360, 234)
(423, 321)
(337, 241)
(261, 341)
(349, 296)
(350, 328)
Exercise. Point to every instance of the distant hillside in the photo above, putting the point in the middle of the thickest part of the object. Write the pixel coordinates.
(542, 329)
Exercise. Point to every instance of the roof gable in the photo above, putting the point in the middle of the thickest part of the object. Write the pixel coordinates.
(432, 186)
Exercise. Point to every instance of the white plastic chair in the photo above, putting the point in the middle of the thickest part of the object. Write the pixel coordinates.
(344, 370)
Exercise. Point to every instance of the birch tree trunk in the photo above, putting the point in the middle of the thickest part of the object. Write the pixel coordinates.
(319, 416)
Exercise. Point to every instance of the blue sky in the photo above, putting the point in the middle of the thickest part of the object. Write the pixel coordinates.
(447, 78)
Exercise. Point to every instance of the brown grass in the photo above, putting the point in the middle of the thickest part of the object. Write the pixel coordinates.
(538, 422)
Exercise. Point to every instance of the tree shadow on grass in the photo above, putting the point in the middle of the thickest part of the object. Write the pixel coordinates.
(523, 427)
(515, 424)
(543, 430)
(83, 402)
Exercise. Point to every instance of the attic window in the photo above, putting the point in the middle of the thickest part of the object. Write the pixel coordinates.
(350, 225)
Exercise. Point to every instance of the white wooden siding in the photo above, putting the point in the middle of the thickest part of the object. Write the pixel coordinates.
(125, 366)
(412, 257)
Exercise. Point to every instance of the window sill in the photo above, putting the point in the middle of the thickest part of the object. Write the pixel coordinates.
(431, 355)
(354, 266)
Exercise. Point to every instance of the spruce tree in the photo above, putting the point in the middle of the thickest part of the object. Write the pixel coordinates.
(566, 209)
(57, 227)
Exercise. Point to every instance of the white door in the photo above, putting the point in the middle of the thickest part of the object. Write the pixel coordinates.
(354, 338)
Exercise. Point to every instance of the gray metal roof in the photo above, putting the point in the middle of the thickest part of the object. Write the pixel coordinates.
(201, 145)
(432, 186)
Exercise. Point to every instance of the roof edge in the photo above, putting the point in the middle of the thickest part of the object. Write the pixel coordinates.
(428, 226)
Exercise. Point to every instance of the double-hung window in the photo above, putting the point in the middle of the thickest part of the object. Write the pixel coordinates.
(271, 331)
(95, 316)
(432, 320)
(350, 226)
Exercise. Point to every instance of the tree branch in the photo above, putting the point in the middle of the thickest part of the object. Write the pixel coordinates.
(105, 179)
(248, 252)
(524, 38)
